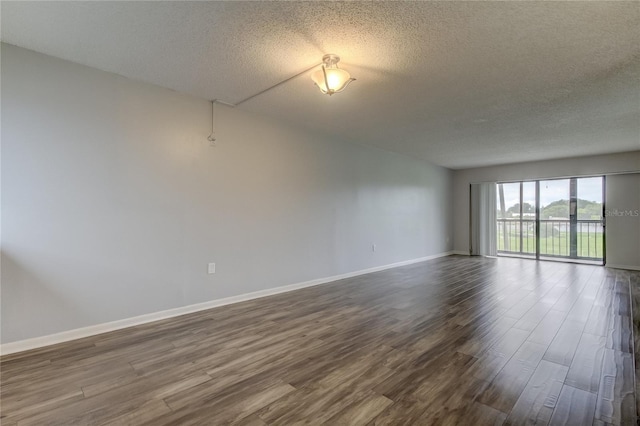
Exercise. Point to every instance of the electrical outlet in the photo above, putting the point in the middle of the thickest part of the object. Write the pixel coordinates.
(211, 269)
(373, 247)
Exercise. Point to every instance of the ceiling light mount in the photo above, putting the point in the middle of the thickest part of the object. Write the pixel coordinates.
(330, 59)
(330, 79)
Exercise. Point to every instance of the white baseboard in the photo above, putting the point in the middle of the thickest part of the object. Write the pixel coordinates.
(629, 267)
(78, 333)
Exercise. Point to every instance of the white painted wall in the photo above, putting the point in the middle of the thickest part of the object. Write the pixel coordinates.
(617, 243)
(113, 201)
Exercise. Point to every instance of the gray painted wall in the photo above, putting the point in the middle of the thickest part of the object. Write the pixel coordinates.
(617, 242)
(113, 201)
(623, 220)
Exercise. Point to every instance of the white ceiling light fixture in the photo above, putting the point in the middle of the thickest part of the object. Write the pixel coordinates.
(330, 79)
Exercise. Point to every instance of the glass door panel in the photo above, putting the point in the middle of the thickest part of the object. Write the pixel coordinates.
(528, 218)
(554, 217)
(590, 229)
(508, 217)
(516, 218)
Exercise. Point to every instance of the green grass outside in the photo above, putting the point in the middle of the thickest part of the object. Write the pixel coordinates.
(589, 245)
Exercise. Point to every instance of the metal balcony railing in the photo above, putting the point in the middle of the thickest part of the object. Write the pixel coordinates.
(518, 236)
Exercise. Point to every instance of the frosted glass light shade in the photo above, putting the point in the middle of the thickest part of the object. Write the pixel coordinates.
(337, 80)
(330, 79)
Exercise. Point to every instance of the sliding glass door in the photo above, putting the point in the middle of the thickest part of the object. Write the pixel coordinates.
(557, 218)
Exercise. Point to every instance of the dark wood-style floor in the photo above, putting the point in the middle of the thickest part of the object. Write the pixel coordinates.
(456, 340)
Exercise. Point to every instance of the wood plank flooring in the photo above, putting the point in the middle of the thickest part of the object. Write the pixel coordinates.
(452, 341)
(635, 310)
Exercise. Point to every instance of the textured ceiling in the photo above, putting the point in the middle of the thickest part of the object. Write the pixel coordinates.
(460, 84)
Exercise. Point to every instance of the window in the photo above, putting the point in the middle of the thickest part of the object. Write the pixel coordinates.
(555, 218)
